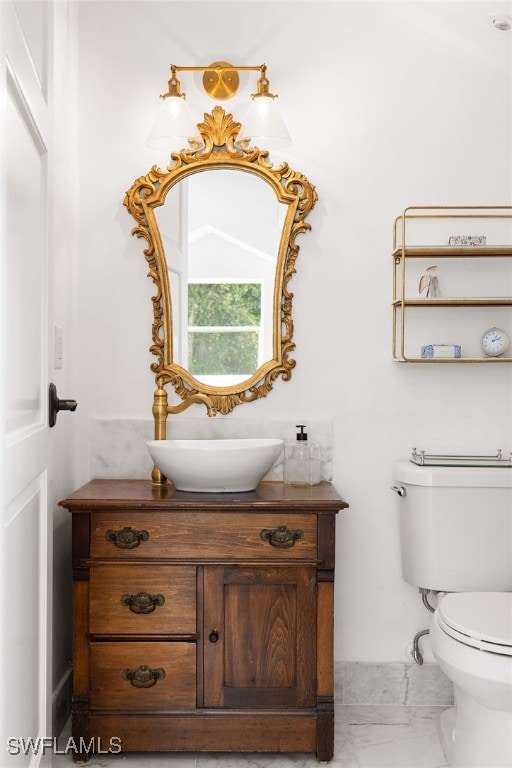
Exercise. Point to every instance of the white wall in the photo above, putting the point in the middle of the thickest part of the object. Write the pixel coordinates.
(389, 104)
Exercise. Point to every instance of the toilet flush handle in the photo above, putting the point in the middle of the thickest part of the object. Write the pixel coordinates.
(399, 489)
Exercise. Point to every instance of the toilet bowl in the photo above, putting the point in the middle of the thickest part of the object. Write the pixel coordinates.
(471, 639)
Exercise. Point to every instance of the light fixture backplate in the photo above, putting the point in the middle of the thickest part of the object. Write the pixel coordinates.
(221, 81)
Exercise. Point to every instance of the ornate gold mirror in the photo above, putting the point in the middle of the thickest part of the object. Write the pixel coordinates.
(220, 227)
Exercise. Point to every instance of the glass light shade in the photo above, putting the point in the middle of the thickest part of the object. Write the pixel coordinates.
(263, 126)
(173, 126)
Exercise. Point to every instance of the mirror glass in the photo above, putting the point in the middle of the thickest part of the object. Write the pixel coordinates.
(220, 232)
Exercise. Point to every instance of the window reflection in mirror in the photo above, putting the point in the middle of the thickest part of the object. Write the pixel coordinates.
(225, 332)
(220, 233)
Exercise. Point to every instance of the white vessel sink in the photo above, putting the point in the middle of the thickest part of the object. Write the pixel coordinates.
(218, 466)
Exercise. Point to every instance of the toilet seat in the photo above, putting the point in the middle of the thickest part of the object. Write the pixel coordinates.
(480, 619)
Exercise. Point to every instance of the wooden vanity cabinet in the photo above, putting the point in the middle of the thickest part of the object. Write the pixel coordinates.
(203, 622)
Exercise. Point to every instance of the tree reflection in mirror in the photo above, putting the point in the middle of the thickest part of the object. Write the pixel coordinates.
(224, 330)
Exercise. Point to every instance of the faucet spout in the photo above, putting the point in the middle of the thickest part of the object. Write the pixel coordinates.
(197, 398)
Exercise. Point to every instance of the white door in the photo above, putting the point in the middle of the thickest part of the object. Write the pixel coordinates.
(25, 525)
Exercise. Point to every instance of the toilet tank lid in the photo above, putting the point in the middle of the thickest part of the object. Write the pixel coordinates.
(483, 616)
(464, 477)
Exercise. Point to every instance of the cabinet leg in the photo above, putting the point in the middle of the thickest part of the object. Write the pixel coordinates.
(325, 736)
(80, 728)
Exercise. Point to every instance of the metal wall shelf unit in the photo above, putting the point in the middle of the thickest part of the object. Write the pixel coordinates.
(463, 266)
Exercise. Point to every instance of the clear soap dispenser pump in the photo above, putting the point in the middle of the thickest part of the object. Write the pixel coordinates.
(302, 460)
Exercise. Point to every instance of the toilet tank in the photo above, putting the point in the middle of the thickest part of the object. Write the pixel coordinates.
(456, 527)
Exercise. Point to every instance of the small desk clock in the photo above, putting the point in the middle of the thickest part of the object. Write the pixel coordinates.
(494, 342)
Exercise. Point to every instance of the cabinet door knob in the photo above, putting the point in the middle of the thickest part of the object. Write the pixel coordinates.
(127, 537)
(281, 537)
(213, 636)
(142, 602)
(143, 676)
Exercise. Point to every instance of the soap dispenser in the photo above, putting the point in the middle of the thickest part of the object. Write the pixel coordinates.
(302, 460)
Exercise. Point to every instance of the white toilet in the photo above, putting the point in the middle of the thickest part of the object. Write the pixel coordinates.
(456, 538)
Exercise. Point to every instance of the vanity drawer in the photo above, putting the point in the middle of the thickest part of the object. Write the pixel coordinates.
(142, 599)
(142, 676)
(264, 536)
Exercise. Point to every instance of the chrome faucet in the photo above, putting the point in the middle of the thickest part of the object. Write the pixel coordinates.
(161, 409)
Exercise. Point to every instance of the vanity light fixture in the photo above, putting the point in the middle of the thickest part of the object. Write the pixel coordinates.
(174, 122)
(175, 125)
(263, 125)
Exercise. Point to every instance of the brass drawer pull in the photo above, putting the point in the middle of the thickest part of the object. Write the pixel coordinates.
(142, 602)
(281, 537)
(143, 676)
(127, 537)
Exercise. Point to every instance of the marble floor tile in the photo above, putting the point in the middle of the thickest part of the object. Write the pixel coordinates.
(373, 735)
(403, 753)
(255, 760)
(131, 760)
(376, 743)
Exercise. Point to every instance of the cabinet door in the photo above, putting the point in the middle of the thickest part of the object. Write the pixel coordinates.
(259, 637)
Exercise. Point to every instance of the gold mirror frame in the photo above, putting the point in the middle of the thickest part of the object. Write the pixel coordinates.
(219, 131)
